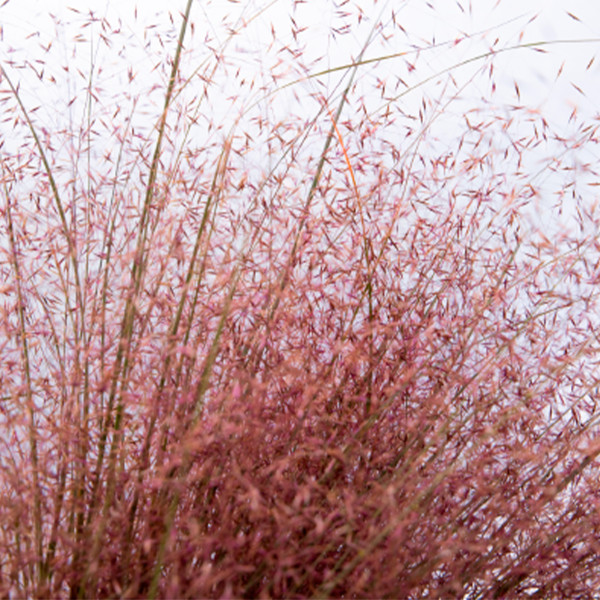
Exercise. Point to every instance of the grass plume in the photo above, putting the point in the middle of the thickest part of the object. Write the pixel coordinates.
(347, 350)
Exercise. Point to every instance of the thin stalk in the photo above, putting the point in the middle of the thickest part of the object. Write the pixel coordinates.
(25, 357)
(285, 275)
(122, 357)
(84, 370)
(72, 250)
(213, 198)
(201, 389)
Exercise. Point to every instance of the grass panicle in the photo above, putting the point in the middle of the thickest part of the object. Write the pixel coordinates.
(279, 326)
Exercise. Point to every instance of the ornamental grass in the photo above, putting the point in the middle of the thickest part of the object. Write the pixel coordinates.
(279, 337)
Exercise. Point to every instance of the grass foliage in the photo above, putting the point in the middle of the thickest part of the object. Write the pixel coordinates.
(325, 354)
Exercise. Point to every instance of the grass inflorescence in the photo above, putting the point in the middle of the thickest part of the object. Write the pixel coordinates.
(324, 354)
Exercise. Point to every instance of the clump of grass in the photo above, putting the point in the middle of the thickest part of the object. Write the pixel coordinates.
(355, 368)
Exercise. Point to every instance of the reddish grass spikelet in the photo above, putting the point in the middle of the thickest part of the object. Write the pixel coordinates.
(292, 333)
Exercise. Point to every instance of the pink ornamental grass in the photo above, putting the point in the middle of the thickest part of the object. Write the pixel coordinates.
(355, 368)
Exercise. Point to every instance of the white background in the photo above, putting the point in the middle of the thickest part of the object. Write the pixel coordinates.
(26, 25)
(48, 48)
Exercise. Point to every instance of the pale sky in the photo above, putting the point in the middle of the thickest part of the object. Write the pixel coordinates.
(563, 80)
(27, 24)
